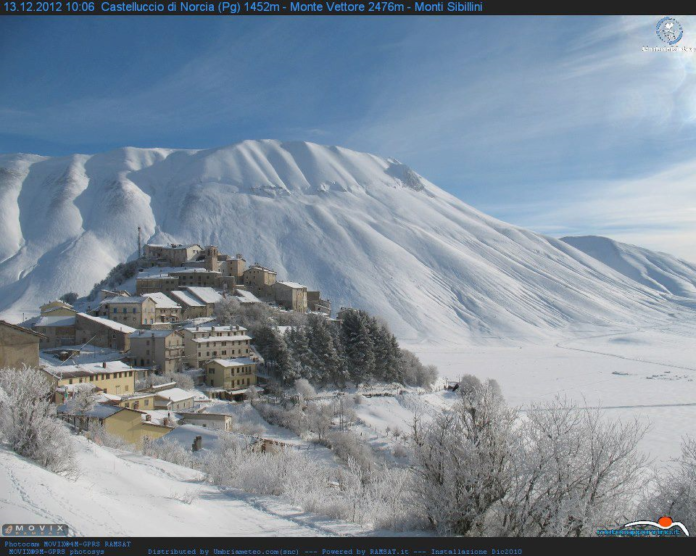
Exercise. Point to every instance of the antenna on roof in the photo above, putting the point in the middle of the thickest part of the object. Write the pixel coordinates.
(140, 242)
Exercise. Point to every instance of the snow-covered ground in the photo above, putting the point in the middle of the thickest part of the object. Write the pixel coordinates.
(124, 494)
(643, 373)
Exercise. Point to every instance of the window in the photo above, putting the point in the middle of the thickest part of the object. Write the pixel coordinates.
(134, 310)
(115, 310)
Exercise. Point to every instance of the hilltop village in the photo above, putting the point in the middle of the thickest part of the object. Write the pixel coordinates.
(123, 345)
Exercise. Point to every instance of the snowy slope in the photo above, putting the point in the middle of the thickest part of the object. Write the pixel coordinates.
(369, 232)
(658, 271)
(124, 494)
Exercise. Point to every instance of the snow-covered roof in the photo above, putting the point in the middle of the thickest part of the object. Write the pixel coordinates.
(205, 294)
(246, 296)
(109, 323)
(186, 434)
(87, 369)
(186, 298)
(174, 394)
(99, 411)
(123, 299)
(230, 328)
(293, 285)
(47, 312)
(162, 301)
(55, 321)
(208, 339)
(195, 270)
(151, 333)
(239, 362)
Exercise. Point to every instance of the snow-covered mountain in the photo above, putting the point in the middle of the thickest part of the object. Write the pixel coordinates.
(369, 232)
(658, 271)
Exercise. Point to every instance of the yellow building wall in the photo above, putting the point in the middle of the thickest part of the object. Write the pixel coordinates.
(109, 383)
(129, 426)
(144, 403)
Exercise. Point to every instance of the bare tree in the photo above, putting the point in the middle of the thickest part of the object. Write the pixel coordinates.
(28, 420)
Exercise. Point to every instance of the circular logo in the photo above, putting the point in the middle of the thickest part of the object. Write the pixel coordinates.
(669, 30)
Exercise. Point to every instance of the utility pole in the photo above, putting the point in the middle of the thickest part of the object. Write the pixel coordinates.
(140, 243)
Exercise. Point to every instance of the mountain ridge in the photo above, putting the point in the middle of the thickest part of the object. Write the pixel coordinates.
(368, 231)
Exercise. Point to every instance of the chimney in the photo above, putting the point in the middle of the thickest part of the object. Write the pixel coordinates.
(148, 417)
(104, 365)
(197, 444)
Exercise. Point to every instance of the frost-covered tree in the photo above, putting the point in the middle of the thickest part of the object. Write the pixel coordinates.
(305, 389)
(413, 372)
(462, 462)
(28, 420)
(320, 419)
(82, 401)
(674, 493)
(572, 472)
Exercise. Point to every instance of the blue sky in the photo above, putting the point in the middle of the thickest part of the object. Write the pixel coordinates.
(562, 125)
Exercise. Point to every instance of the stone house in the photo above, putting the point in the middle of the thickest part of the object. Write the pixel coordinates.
(154, 283)
(318, 305)
(259, 280)
(19, 346)
(192, 307)
(166, 310)
(291, 296)
(59, 330)
(102, 332)
(162, 349)
(172, 254)
(137, 311)
(234, 267)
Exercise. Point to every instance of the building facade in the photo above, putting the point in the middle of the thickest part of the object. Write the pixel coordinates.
(202, 343)
(291, 296)
(137, 311)
(59, 330)
(101, 332)
(259, 280)
(230, 374)
(112, 377)
(173, 254)
(162, 349)
(166, 310)
(19, 346)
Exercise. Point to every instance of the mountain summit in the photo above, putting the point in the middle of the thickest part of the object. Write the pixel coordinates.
(368, 231)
